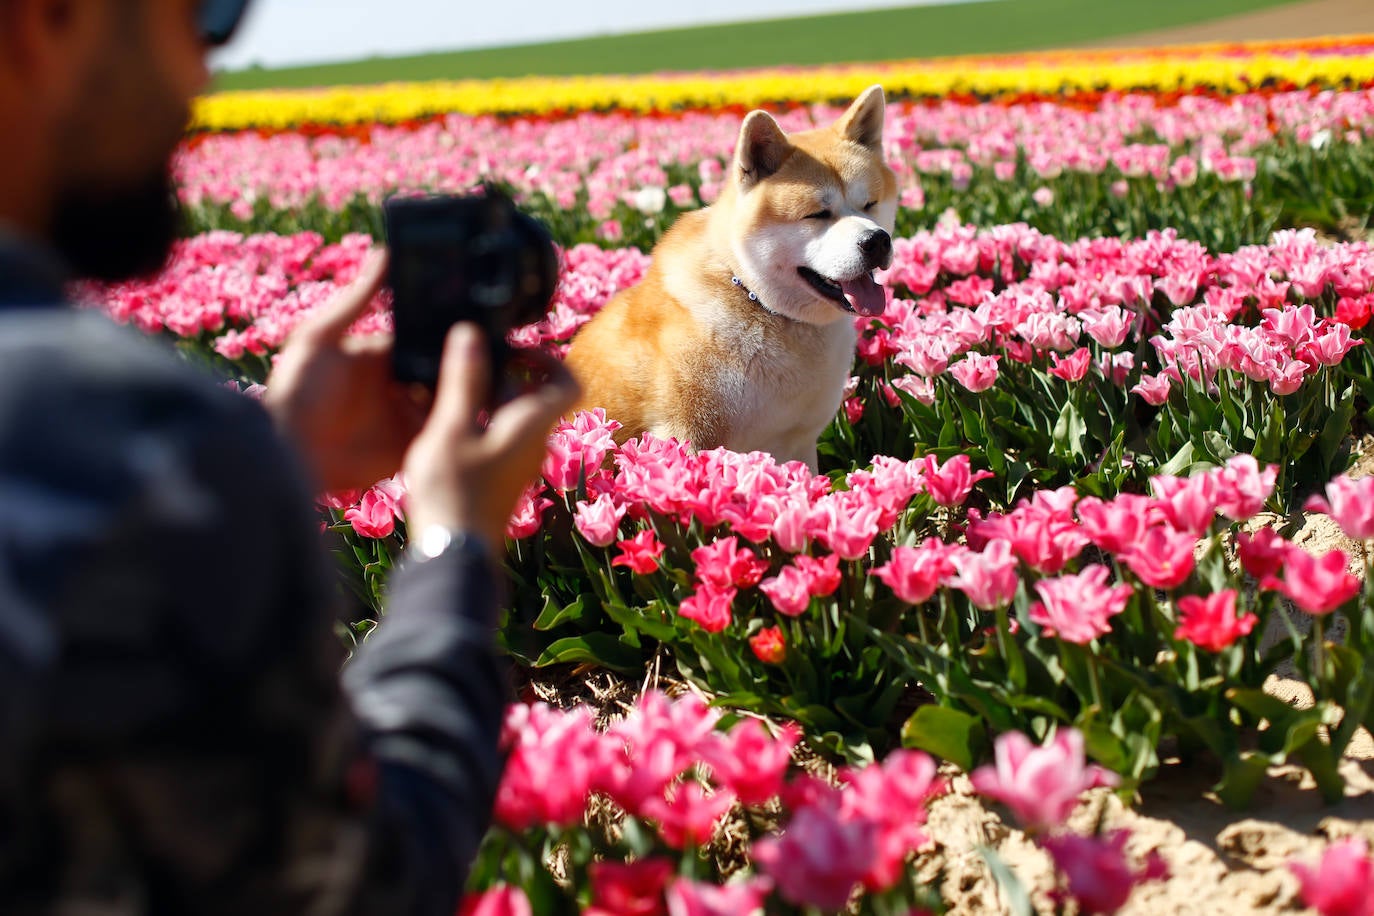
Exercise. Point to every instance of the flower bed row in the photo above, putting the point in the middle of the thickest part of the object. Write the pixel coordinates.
(652, 813)
(1115, 366)
(675, 810)
(1096, 362)
(790, 595)
(1220, 171)
(1325, 63)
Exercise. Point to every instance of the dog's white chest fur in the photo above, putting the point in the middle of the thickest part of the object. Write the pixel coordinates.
(786, 384)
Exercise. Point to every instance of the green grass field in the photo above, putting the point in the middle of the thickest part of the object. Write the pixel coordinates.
(987, 27)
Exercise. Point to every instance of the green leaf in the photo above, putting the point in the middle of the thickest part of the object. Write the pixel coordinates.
(1181, 460)
(1013, 891)
(947, 733)
(1069, 432)
(1269, 447)
(1335, 431)
(648, 621)
(597, 648)
(1241, 776)
(552, 615)
(1324, 764)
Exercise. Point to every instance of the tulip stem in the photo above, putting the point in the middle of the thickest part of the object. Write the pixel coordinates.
(1318, 651)
(1096, 681)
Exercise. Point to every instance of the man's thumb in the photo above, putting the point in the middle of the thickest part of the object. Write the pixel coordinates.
(464, 381)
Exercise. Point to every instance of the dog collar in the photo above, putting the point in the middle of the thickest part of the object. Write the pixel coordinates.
(753, 297)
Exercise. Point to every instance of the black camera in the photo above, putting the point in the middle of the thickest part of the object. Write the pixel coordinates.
(463, 258)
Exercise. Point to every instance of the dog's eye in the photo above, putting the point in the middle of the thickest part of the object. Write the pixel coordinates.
(870, 205)
(819, 214)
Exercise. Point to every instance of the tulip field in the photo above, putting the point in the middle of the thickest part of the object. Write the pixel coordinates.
(1049, 548)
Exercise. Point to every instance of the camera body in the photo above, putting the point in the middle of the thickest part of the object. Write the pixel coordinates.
(463, 258)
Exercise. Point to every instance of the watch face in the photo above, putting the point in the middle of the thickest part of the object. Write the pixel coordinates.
(433, 541)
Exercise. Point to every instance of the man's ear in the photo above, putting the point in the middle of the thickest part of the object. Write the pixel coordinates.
(762, 148)
(862, 123)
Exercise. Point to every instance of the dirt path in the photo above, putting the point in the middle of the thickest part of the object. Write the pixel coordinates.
(1308, 19)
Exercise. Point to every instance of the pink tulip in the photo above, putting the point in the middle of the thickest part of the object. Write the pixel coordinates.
(989, 577)
(634, 889)
(1318, 585)
(1154, 389)
(502, 900)
(375, 515)
(724, 564)
(1099, 878)
(709, 606)
(788, 591)
(1162, 557)
(818, 860)
(1078, 608)
(951, 483)
(549, 768)
(1041, 785)
(1350, 502)
(1262, 554)
(688, 816)
(914, 573)
(640, 553)
(1242, 488)
(562, 466)
(528, 516)
(1188, 503)
(1342, 883)
(1043, 536)
(847, 529)
(1116, 526)
(822, 573)
(1108, 325)
(1073, 368)
(599, 521)
(1210, 622)
(894, 795)
(752, 762)
(976, 372)
(697, 898)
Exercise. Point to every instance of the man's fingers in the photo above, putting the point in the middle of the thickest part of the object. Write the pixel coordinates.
(463, 379)
(371, 345)
(560, 390)
(535, 412)
(333, 320)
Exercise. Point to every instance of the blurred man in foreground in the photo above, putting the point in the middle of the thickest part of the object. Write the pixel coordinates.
(174, 736)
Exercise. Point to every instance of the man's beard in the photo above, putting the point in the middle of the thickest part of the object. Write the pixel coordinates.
(117, 234)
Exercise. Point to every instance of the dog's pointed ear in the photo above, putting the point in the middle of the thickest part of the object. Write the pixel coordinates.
(762, 148)
(863, 121)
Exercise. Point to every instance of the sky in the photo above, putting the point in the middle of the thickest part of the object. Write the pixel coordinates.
(285, 32)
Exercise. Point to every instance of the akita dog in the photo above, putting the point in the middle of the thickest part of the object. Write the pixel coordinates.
(741, 333)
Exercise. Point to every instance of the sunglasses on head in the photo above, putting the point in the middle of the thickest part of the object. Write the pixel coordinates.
(219, 19)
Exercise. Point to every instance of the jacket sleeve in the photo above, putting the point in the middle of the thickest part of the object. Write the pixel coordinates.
(428, 690)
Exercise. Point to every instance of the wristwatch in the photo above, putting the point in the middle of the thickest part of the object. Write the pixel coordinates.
(437, 540)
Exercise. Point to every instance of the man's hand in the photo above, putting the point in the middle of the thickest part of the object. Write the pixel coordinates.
(335, 398)
(458, 473)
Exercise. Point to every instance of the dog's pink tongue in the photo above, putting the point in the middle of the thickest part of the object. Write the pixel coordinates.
(864, 295)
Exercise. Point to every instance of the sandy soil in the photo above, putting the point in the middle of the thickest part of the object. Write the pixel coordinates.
(1308, 19)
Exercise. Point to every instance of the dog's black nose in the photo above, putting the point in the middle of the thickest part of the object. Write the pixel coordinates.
(877, 247)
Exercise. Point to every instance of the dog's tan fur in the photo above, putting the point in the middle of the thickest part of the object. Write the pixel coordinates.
(687, 353)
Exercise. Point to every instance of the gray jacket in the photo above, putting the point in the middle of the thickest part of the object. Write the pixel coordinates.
(174, 733)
